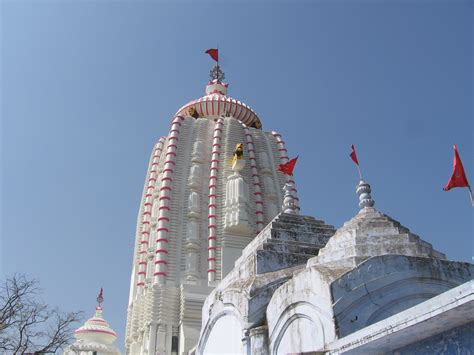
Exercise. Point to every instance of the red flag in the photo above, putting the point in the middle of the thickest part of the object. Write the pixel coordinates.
(353, 155)
(458, 179)
(214, 53)
(288, 167)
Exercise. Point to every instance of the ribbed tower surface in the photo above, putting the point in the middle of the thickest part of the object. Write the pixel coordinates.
(199, 209)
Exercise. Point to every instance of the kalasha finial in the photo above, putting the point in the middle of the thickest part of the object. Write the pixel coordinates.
(289, 205)
(363, 191)
(100, 297)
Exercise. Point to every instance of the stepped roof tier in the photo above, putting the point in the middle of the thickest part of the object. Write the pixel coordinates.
(371, 233)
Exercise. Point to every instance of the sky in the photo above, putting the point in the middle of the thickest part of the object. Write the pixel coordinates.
(88, 87)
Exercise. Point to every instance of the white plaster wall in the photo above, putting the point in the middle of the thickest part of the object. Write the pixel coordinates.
(225, 337)
(301, 334)
(302, 303)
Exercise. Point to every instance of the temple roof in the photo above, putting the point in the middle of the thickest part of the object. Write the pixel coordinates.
(371, 233)
(96, 329)
(95, 335)
(216, 103)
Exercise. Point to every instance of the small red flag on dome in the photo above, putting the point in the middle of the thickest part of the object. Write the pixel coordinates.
(214, 53)
(458, 179)
(353, 155)
(288, 167)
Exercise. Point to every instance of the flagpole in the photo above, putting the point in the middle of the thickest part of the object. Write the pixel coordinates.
(470, 195)
(360, 174)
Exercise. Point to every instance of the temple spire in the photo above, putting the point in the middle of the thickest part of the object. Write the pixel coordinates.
(365, 198)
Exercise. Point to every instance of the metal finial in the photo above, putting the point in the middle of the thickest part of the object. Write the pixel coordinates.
(363, 191)
(216, 73)
(289, 205)
(100, 297)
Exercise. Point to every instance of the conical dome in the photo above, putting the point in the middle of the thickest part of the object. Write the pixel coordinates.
(96, 329)
(95, 336)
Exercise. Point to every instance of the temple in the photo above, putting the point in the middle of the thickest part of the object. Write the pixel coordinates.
(370, 287)
(225, 263)
(95, 337)
(210, 188)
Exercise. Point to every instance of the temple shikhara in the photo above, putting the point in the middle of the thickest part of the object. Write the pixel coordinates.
(225, 263)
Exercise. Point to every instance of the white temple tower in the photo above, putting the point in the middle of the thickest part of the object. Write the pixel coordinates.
(199, 209)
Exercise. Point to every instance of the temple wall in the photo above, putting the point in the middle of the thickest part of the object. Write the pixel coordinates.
(459, 340)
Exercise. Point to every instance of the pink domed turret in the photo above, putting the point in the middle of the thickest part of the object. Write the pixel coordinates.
(95, 335)
(96, 329)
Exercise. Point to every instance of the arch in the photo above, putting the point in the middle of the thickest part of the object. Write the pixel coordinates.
(384, 301)
(228, 319)
(306, 339)
(293, 317)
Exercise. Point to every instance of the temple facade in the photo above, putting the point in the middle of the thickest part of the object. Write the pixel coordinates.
(210, 188)
(225, 264)
(370, 287)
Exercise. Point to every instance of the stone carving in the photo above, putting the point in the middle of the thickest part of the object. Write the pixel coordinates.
(198, 150)
(236, 201)
(192, 232)
(193, 204)
(289, 205)
(191, 266)
(194, 180)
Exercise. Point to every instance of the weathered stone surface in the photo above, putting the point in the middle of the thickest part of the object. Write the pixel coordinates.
(287, 241)
(370, 269)
(372, 273)
(372, 233)
(422, 329)
(320, 304)
(459, 340)
(282, 248)
(385, 285)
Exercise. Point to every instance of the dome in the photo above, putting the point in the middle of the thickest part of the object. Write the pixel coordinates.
(96, 329)
(216, 103)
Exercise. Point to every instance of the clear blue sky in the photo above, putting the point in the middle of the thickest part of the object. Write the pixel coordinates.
(87, 88)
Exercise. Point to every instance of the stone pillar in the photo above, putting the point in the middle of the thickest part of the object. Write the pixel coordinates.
(236, 201)
(152, 338)
(192, 244)
(246, 342)
(259, 340)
